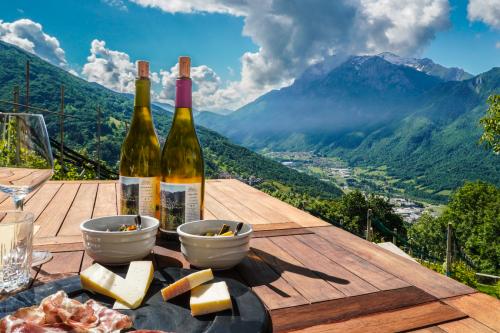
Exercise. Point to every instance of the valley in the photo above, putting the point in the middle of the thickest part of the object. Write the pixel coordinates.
(368, 179)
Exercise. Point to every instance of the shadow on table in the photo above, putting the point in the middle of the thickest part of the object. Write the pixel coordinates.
(280, 266)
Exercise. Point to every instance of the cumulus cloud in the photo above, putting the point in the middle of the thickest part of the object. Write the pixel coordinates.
(30, 36)
(487, 11)
(113, 69)
(292, 35)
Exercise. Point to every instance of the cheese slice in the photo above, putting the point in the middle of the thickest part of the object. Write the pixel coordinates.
(186, 284)
(140, 273)
(209, 298)
(101, 280)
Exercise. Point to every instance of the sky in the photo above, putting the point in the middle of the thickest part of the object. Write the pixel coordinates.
(242, 49)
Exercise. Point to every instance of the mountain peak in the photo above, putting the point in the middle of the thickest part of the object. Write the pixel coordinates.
(427, 66)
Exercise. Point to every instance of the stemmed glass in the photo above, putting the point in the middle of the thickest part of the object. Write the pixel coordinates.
(25, 160)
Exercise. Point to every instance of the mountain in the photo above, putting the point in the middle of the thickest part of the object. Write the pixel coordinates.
(373, 112)
(428, 66)
(81, 99)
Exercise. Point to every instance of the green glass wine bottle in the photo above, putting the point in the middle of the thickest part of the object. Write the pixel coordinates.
(140, 154)
(182, 183)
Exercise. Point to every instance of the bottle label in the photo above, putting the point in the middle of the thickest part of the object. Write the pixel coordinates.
(138, 195)
(179, 203)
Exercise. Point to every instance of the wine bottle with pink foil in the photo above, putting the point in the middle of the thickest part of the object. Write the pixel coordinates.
(182, 184)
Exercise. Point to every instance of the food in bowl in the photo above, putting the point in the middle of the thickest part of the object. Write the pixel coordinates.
(217, 252)
(106, 244)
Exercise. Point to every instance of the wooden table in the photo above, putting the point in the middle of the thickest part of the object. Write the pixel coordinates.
(312, 277)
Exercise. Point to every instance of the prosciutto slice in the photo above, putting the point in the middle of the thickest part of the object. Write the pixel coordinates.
(59, 313)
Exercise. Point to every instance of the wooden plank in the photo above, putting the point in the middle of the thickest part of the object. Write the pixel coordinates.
(105, 203)
(293, 214)
(65, 247)
(304, 280)
(53, 216)
(207, 214)
(479, 306)
(272, 289)
(359, 266)
(218, 209)
(407, 270)
(281, 232)
(432, 329)
(87, 261)
(80, 210)
(244, 197)
(168, 254)
(385, 322)
(56, 240)
(41, 195)
(340, 278)
(276, 226)
(465, 326)
(243, 213)
(63, 262)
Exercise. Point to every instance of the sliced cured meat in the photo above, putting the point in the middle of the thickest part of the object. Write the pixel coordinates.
(59, 313)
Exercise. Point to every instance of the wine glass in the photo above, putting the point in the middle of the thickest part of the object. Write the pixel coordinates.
(25, 160)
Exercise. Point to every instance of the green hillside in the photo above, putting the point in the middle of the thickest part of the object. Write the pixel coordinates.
(82, 98)
(423, 131)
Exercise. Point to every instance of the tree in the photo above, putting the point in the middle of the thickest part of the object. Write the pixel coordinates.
(491, 124)
(474, 212)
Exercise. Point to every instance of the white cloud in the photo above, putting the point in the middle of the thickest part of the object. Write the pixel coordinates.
(487, 11)
(30, 36)
(112, 69)
(292, 35)
(497, 45)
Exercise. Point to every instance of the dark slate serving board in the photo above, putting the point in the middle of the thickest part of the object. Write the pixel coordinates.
(248, 314)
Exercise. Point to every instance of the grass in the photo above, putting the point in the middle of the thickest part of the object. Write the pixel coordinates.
(489, 289)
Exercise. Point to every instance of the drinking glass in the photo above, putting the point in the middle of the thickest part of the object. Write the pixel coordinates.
(16, 242)
(25, 160)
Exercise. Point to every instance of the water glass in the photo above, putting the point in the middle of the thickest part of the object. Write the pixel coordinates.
(16, 243)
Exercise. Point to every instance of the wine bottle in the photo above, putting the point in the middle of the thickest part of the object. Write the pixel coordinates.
(140, 154)
(182, 183)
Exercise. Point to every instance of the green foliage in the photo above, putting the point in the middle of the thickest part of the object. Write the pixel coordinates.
(474, 212)
(459, 271)
(348, 211)
(491, 124)
(493, 290)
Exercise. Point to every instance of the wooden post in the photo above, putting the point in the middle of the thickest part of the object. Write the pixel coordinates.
(98, 142)
(18, 134)
(448, 249)
(368, 225)
(61, 128)
(394, 238)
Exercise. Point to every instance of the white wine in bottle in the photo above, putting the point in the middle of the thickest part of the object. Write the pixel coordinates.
(140, 154)
(182, 183)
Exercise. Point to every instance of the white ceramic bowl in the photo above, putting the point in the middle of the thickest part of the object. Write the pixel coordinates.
(216, 252)
(118, 247)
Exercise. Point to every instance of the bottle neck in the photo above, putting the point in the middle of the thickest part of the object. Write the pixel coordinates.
(142, 117)
(183, 101)
(183, 88)
(142, 93)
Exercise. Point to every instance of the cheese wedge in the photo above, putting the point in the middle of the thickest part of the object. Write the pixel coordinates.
(140, 273)
(186, 284)
(101, 280)
(209, 298)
